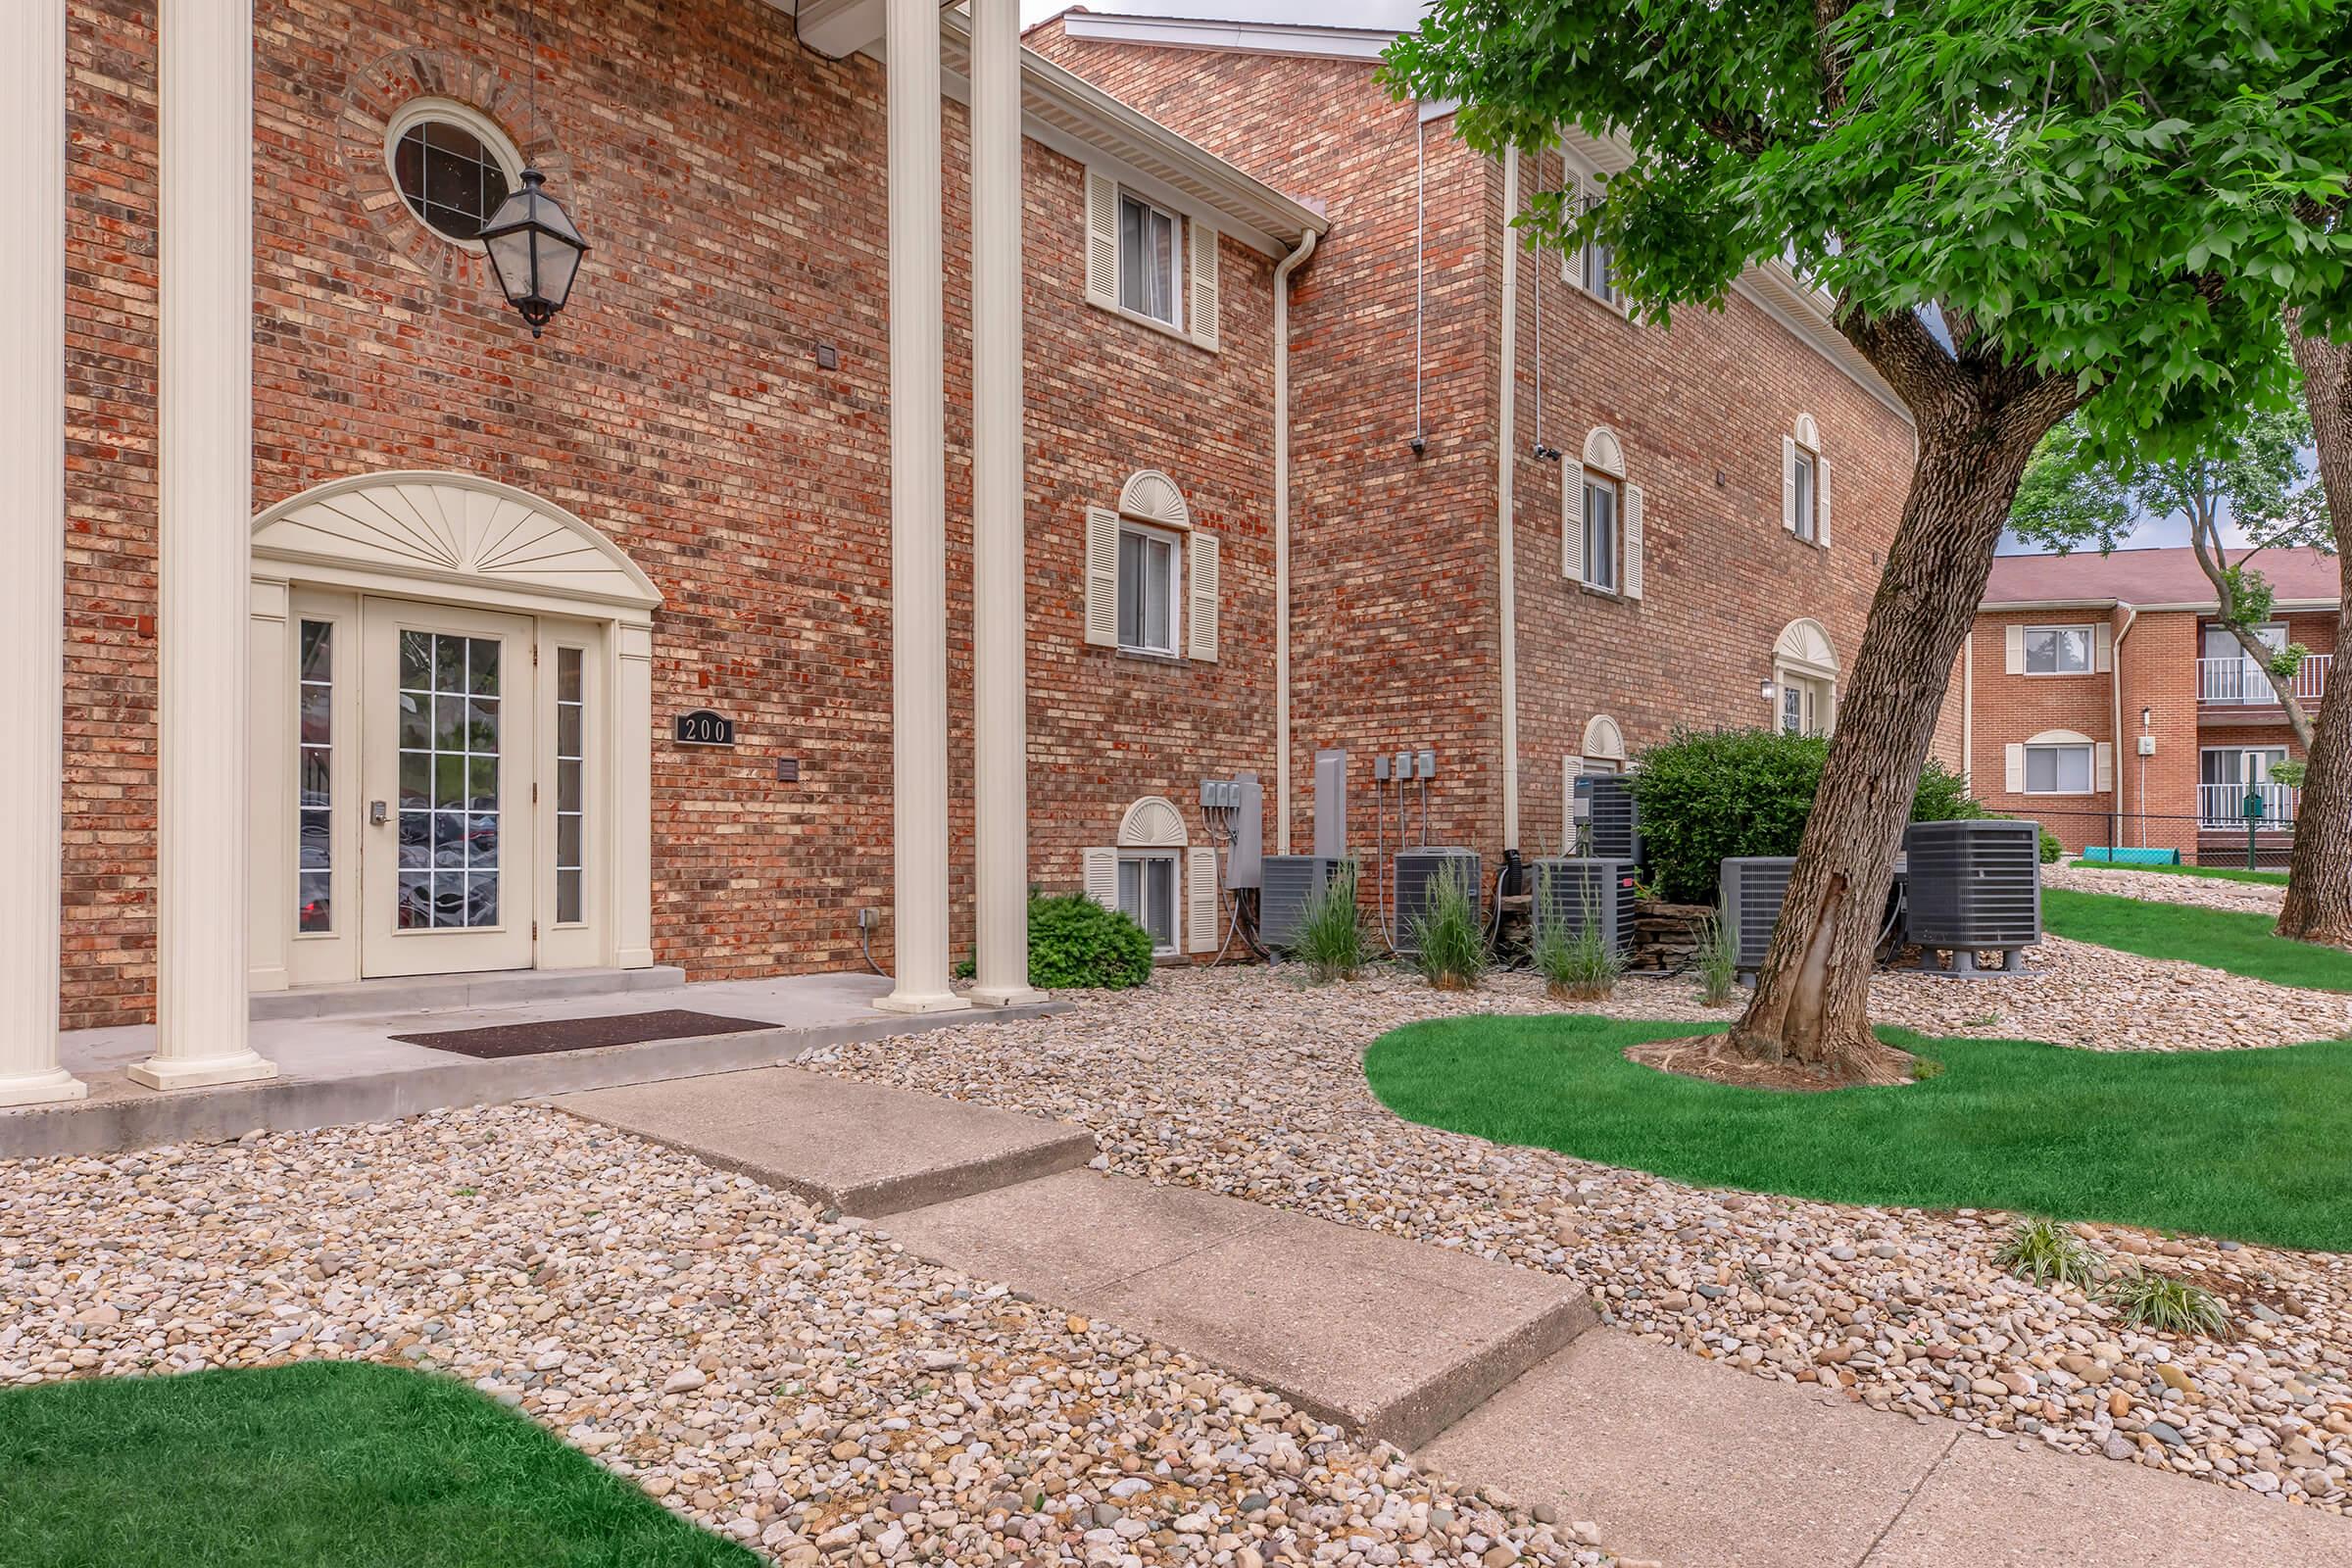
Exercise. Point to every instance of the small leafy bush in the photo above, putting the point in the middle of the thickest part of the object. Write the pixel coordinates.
(2046, 1253)
(1451, 949)
(1707, 795)
(1330, 939)
(1718, 961)
(2167, 1304)
(1579, 965)
(2053, 850)
(1075, 941)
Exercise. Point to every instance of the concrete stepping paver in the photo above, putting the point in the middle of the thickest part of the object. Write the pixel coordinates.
(1390, 1336)
(857, 1148)
(1696, 1464)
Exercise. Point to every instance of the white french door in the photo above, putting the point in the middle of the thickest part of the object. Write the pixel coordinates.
(447, 871)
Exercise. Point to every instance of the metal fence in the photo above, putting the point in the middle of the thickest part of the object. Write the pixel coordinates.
(2199, 838)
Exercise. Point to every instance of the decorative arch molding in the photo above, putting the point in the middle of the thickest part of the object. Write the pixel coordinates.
(1603, 740)
(2060, 737)
(1804, 648)
(1807, 432)
(1152, 823)
(1602, 451)
(1151, 496)
(410, 529)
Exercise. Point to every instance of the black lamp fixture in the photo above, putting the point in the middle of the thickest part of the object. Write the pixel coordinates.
(534, 246)
(536, 251)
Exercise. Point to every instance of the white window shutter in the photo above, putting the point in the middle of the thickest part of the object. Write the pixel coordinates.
(1201, 898)
(1200, 640)
(1102, 240)
(2102, 646)
(1102, 577)
(1572, 768)
(1788, 483)
(2013, 764)
(1201, 308)
(1102, 871)
(1632, 541)
(1572, 524)
(2102, 756)
(2016, 650)
(1820, 502)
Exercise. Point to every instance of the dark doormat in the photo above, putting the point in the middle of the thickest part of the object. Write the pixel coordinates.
(581, 1034)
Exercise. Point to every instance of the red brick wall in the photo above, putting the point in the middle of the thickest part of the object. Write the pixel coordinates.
(732, 185)
(1397, 638)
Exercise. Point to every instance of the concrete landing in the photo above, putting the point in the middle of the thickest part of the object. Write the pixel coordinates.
(1388, 1336)
(853, 1147)
(1692, 1463)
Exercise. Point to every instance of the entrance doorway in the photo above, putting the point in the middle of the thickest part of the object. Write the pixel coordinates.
(451, 736)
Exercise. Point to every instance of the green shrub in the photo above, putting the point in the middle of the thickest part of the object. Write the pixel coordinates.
(2046, 1251)
(2052, 852)
(1578, 966)
(2169, 1306)
(1707, 795)
(1718, 961)
(1452, 950)
(1075, 941)
(1330, 938)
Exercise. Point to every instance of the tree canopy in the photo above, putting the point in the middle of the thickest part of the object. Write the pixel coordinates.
(2103, 190)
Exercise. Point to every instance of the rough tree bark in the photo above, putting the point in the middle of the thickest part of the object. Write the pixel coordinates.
(2318, 882)
(1977, 424)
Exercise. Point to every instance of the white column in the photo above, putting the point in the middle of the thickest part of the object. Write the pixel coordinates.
(918, 567)
(204, 471)
(33, 526)
(1000, 561)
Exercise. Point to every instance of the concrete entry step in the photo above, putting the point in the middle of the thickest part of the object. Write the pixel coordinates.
(853, 1147)
(499, 988)
(1391, 1336)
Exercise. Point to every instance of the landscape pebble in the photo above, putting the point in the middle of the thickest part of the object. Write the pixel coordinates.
(802, 1387)
(2208, 892)
(1251, 1084)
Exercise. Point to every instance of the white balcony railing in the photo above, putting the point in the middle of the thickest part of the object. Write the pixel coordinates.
(2242, 682)
(2224, 806)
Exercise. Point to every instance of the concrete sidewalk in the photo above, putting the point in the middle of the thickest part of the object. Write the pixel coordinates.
(1691, 1462)
(1486, 1367)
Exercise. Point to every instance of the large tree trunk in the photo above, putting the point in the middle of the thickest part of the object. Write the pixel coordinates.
(1812, 997)
(2318, 882)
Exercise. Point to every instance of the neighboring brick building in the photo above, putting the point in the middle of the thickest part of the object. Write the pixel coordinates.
(1710, 610)
(2097, 696)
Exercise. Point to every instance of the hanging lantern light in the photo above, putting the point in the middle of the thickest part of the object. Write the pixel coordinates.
(536, 251)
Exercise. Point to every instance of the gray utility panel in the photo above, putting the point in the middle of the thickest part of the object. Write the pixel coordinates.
(1973, 886)
(1417, 874)
(1569, 893)
(1291, 881)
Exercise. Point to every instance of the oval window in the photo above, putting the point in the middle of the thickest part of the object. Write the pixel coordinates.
(452, 173)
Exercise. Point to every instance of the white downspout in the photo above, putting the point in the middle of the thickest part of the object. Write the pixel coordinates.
(1507, 449)
(2115, 717)
(1282, 538)
(1968, 713)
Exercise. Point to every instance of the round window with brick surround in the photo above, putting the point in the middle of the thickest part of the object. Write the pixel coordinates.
(452, 165)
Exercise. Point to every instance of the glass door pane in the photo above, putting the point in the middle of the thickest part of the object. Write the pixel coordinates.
(451, 721)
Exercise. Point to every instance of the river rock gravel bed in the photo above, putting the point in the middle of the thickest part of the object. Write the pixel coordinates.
(799, 1385)
(2206, 892)
(1251, 1084)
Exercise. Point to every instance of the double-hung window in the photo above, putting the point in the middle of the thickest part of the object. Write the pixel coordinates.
(1151, 588)
(1808, 495)
(1147, 896)
(1151, 260)
(1601, 531)
(2057, 650)
(1596, 269)
(2058, 769)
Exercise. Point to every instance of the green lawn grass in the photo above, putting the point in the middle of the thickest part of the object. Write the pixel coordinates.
(2240, 941)
(324, 1463)
(2220, 873)
(2254, 1144)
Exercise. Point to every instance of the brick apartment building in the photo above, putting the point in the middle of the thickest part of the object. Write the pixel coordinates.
(384, 638)
(2097, 696)
(1702, 548)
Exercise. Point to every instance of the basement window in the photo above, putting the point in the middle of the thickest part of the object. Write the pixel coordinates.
(1148, 897)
